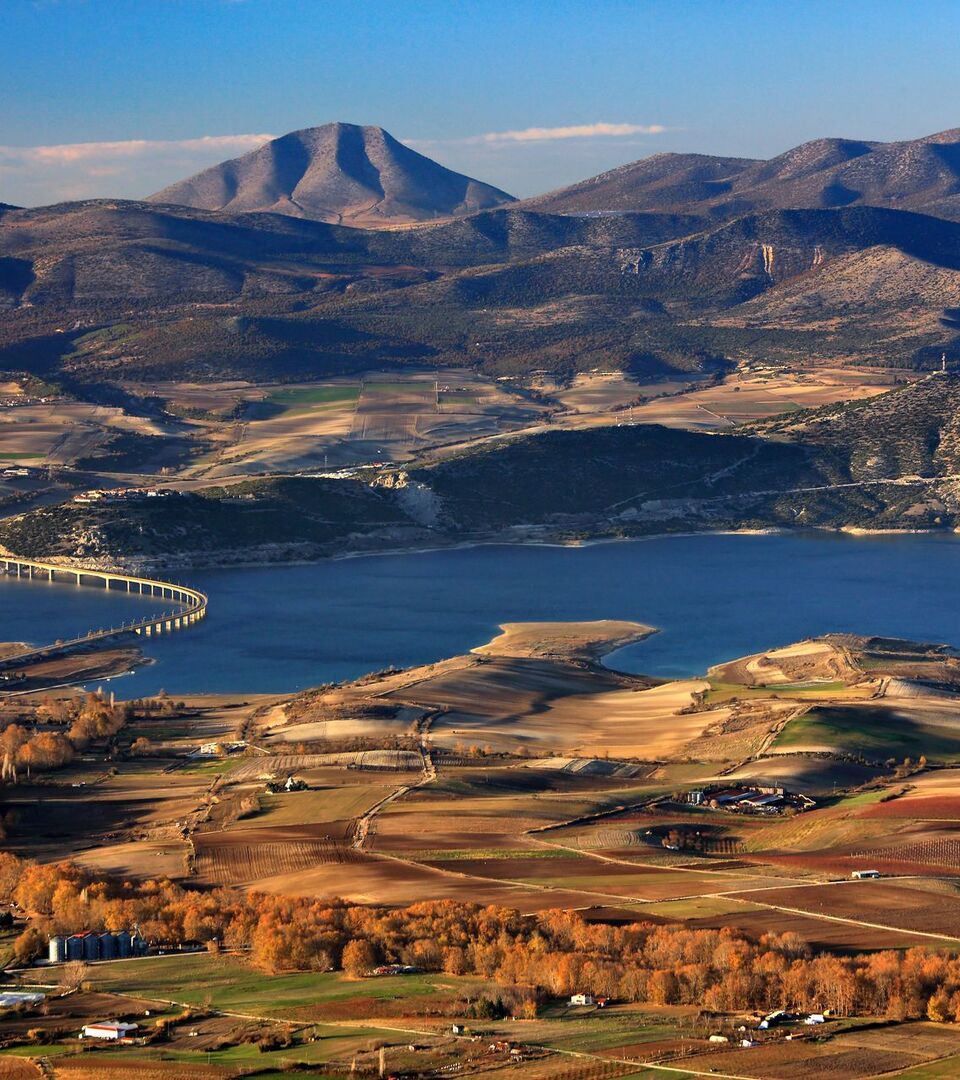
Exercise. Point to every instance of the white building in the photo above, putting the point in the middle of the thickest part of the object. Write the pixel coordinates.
(109, 1029)
(582, 999)
(12, 999)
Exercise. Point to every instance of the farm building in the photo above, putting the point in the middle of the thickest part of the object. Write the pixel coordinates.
(111, 1030)
(582, 999)
(756, 800)
(860, 875)
(215, 749)
(91, 946)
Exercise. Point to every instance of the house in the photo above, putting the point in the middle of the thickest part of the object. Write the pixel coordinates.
(457, 1029)
(860, 875)
(582, 999)
(111, 1030)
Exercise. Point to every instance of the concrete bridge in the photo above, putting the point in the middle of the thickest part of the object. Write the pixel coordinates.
(192, 604)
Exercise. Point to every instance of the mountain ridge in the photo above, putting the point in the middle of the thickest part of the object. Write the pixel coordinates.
(914, 174)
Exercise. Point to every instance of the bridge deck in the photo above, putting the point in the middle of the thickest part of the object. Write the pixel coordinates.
(193, 603)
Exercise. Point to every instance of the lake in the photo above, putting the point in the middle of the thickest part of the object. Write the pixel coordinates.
(714, 597)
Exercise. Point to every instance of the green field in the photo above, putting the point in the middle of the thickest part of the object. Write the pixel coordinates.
(332, 1043)
(722, 691)
(454, 854)
(933, 1070)
(320, 804)
(393, 389)
(229, 984)
(305, 396)
(10, 455)
(699, 907)
(211, 766)
(597, 1032)
(868, 730)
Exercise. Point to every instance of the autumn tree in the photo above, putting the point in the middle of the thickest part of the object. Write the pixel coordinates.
(358, 958)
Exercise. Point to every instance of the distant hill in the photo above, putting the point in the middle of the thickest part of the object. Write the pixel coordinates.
(919, 174)
(338, 173)
(911, 431)
(106, 289)
(887, 462)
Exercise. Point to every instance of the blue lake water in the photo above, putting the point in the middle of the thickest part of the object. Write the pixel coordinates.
(713, 597)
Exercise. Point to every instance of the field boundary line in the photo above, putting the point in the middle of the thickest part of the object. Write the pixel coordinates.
(654, 866)
(851, 922)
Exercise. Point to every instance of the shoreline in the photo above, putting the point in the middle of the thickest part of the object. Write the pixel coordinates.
(201, 564)
(597, 541)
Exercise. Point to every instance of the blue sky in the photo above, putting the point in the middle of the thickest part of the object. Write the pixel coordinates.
(164, 87)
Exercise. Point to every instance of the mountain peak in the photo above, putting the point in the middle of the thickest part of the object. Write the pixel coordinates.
(347, 174)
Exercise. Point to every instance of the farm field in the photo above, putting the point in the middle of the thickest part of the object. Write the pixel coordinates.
(60, 433)
(528, 777)
(895, 729)
(747, 396)
(232, 985)
(329, 1019)
(346, 421)
(929, 905)
(511, 802)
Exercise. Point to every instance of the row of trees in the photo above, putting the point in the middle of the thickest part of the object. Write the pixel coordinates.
(556, 951)
(84, 720)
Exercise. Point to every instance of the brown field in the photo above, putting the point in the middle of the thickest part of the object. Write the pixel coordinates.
(12, 1068)
(564, 641)
(846, 1056)
(818, 933)
(138, 858)
(545, 706)
(67, 821)
(810, 774)
(599, 392)
(805, 661)
(929, 906)
(82, 1067)
(919, 808)
(742, 397)
(60, 432)
(283, 764)
(248, 856)
(385, 416)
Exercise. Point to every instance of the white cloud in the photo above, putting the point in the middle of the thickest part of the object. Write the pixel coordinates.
(98, 151)
(572, 131)
(545, 134)
(132, 168)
